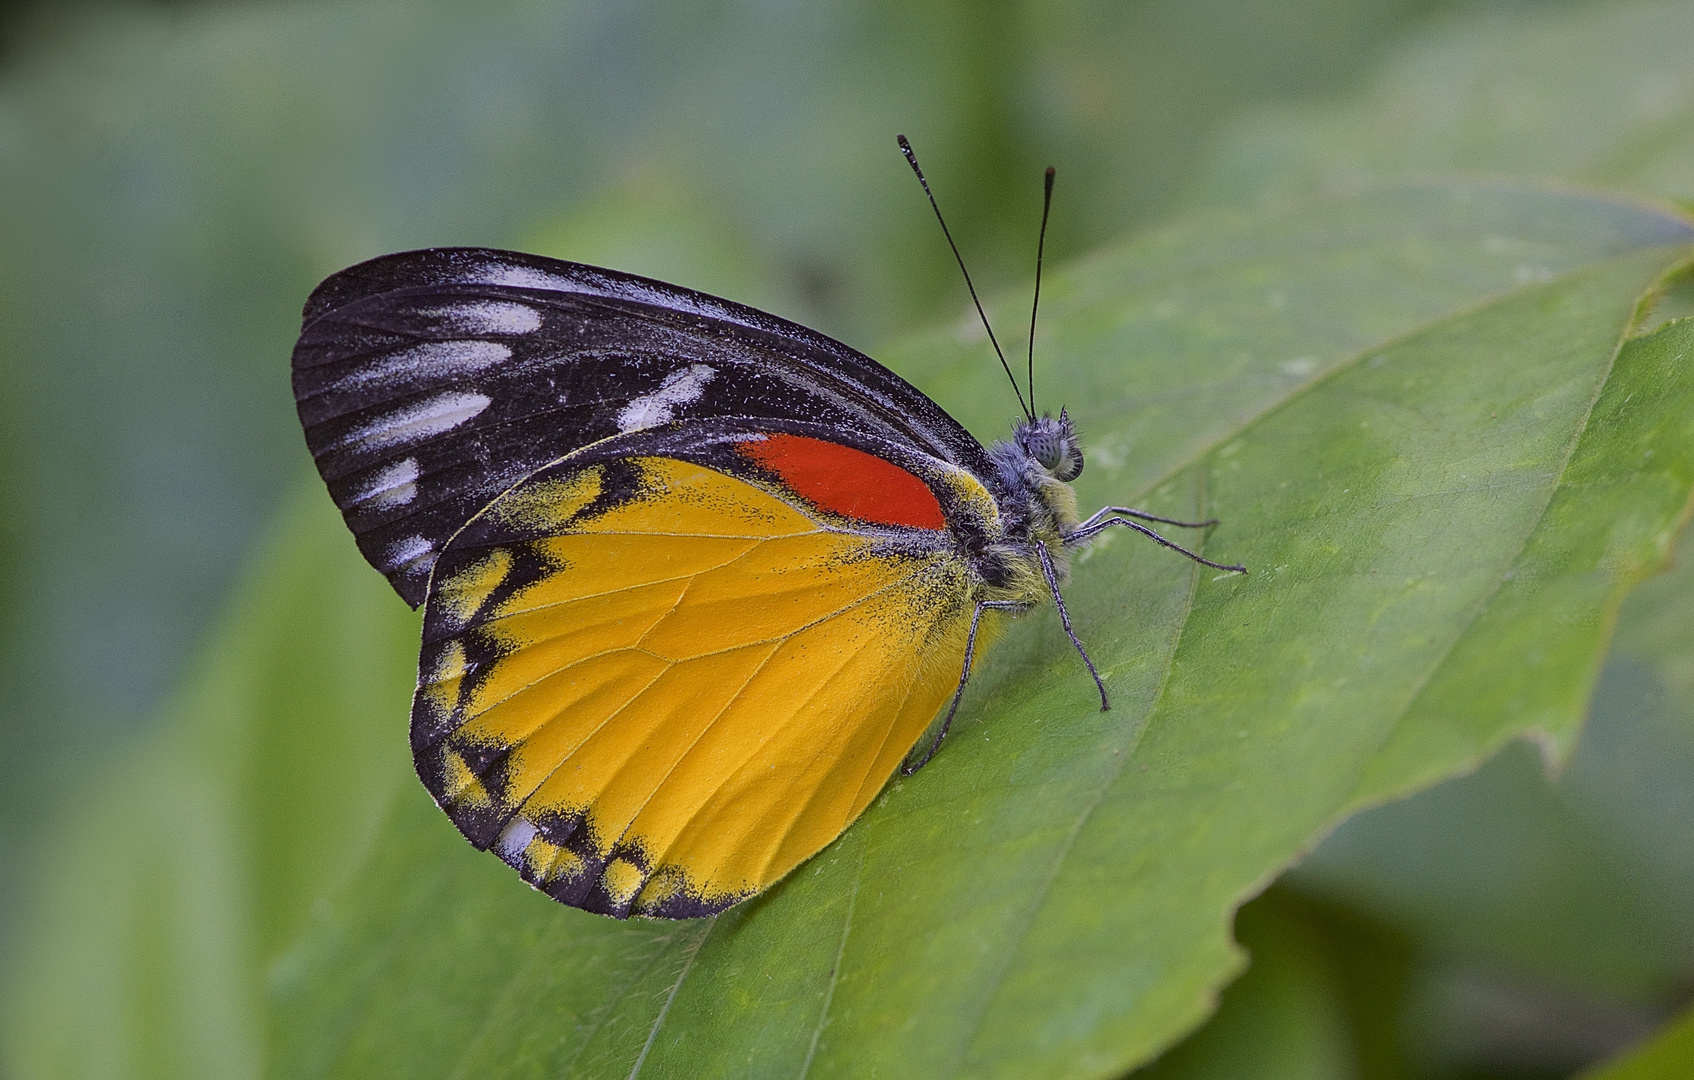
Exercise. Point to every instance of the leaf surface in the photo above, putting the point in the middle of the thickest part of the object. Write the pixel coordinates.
(185, 865)
(1594, 93)
(1583, 881)
(1574, 885)
(1425, 422)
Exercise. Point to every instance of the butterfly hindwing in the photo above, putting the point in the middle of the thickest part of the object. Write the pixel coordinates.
(429, 382)
(661, 672)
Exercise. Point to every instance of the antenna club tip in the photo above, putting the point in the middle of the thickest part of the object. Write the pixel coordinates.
(1051, 172)
(912, 159)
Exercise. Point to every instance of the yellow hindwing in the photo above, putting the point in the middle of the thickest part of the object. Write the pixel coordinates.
(665, 702)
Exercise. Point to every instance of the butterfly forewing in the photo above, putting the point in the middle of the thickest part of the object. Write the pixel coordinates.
(430, 382)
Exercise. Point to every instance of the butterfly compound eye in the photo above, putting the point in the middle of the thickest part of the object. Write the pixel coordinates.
(1053, 445)
(1045, 445)
(1069, 464)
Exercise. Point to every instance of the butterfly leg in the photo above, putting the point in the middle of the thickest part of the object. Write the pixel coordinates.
(1052, 577)
(964, 677)
(1106, 511)
(1085, 531)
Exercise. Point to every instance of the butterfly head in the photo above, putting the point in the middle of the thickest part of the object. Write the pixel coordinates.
(1035, 467)
(1051, 442)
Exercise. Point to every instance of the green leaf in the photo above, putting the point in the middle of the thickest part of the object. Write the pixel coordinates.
(169, 887)
(1425, 422)
(1324, 996)
(1576, 890)
(1669, 1055)
(1600, 93)
(1285, 1018)
(1581, 884)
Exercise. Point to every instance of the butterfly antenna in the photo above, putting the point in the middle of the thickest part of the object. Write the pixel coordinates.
(1040, 249)
(912, 159)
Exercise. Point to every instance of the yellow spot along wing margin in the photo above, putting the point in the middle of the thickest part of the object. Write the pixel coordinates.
(655, 688)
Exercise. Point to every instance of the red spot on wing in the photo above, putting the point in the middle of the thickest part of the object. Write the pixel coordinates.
(848, 482)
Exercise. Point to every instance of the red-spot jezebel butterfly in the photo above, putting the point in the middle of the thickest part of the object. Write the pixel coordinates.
(696, 580)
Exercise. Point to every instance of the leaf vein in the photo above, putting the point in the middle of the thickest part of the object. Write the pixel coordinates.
(835, 970)
(659, 1021)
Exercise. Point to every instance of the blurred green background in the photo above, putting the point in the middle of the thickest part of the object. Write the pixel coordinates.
(175, 177)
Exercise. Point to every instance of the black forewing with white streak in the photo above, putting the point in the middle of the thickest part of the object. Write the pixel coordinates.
(430, 381)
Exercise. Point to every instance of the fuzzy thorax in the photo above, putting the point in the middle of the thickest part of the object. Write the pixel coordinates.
(1034, 468)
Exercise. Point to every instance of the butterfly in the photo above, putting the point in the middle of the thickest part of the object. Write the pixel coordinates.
(696, 580)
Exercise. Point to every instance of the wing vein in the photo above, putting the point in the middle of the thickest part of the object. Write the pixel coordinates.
(757, 750)
(680, 758)
(843, 609)
(794, 821)
(737, 697)
(517, 805)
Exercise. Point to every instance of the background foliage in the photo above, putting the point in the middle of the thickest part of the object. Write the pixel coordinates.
(173, 179)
